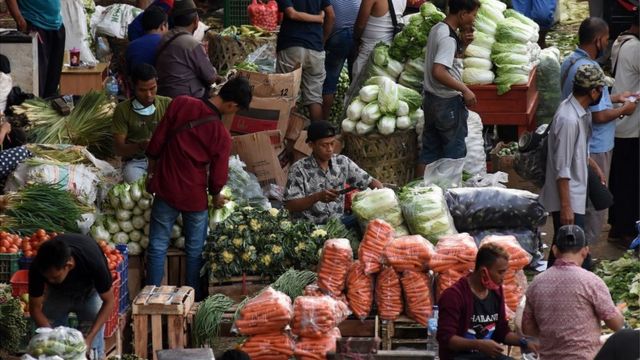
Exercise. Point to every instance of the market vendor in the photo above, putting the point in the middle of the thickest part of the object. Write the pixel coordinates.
(77, 279)
(314, 183)
(472, 322)
(135, 120)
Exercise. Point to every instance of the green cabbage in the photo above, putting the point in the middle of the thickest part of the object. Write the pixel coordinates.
(369, 93)
(513, 69)
(380, 54)
(483, 40)
(388, 97)
(415, 67)
(375, 70)
(512, 59)
(354, 111)
(496, 4)
(371, 113)
(394, 68)
(363, 129)
(429, 10)
(411, 81)
(473, 76)
(491, 13)
(387, 125)
(403, 122)
(477, 51)
(426, 212)
(504, 82)
(485, 25)
(510, 13)
(403, 108)
(377, 204)
(410, 96)
(510, 48)
(477, 63)
(348, 125)
(511, 30)
(417, 116)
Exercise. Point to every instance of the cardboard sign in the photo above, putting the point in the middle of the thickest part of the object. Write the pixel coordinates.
(264, 114)
(274, 85)
(261, 151)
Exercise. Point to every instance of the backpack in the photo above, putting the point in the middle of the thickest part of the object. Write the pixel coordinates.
(530, 161)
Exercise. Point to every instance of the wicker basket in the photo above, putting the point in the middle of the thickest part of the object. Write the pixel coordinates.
(226, 51)
(390, 159)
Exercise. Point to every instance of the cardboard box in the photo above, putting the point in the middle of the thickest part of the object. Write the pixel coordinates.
(301, 149)
(262, 151)
(297, 122)
(274, 85)
(263, 114)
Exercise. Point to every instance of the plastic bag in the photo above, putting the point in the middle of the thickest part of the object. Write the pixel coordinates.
(518, 257)
(417, 294)
(245, 186)
(312, 290)
(446, 173)
(388, 294)
(548, 83)
(113, 20)
(378, 234)
(455, 257)
(6, 84)
(269, 346)
(269, 312)
(317, 348)
(425, 210)
(316, 316)
(497, 179)
(265, 58)
(475, 163)
(543, 12)
(514, 287)
(334, 265)
(76, 31)
(528, 239)
(377, 204)
(359, 290)
(408, 253)
(61, 341)
(478, 208)
(263, 15)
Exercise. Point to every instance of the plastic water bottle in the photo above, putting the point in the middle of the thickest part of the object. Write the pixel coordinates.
(111, 87)
(432, 329)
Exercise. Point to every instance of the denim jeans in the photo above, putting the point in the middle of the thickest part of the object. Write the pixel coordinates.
(445, 128)
(163, 217)
(134, 169)
(337, 50)
(57, 306)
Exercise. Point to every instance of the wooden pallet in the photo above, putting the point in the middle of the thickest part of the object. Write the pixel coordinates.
(403, 332)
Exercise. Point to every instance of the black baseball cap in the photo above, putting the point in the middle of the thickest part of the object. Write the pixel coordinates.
(570, 237)
(320, 130)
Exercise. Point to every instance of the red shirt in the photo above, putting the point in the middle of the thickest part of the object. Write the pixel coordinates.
(180, 176)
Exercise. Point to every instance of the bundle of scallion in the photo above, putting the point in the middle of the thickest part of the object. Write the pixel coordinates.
(40, 206)
(89, 123)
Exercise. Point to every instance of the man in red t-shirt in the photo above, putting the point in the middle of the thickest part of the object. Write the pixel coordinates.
(188, 157)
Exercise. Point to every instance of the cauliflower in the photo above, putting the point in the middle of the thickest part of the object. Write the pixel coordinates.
(237, 242)
(227, 257)
(318, 233)
(274, 212)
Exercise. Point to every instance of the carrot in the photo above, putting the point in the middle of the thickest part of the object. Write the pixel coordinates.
(408, 253)
(359, 290)
(275, 345)
(334, 266)
(317, 348)
(271, 311)
(417, 295)
(377, 235)
(388, 294)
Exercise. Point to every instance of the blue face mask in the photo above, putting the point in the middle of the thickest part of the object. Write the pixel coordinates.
(141, 109)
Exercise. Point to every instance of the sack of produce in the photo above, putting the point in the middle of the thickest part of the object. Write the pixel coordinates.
(359, 290)
(478, 208)
(377, 204)
(475, 163)
(514, 287)
(417, 295)
(334, 265)
(455, 257)
(67, 343)
(445, 173)
(245, 186)
(269, 312)
(377, 235)
(317, 348)
(316, 316)
(528, 239)
(263, 15)
(426, 212)
(271, 346)
(548, 83)
(408, 253)
(388, 294)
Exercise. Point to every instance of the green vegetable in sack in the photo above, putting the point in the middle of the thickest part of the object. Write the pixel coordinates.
(377, 204)
(425, 210)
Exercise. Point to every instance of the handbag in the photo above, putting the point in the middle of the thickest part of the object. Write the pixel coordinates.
(397, 27)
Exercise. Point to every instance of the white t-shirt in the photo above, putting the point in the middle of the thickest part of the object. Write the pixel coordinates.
(443, 47)
(627, 79)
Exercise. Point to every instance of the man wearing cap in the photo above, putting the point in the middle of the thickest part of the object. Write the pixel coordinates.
(183, 65)
(566, 303)
(314, 183)
(564, 193)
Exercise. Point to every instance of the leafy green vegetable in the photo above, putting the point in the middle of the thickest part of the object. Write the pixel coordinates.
(387, 125)
(369, 93)
(410, 96)
(477, 51)
(622, 278)
(388, 97)
(472, 76)
(509, 48)
(371, 113)
(477, 63)
(504, 82)
(208, 317)
(377, 204)
(510, 59)
(485, 25)
(511, 30)
(381, 54)
(491, 13)
(425, 210)
(510, 13)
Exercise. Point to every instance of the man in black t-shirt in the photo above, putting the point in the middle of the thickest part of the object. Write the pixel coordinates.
(77, 280)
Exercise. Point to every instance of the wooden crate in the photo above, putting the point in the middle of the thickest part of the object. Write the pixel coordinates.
(238, 287)
(168, 304)
(80, 81)
(353, 327)
(403, 332)
(175, 268)
(367, 348)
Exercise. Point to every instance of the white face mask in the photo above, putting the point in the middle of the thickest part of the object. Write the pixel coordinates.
(141, 109)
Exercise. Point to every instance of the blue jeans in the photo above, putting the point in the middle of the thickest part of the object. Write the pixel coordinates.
(337, 50)
(163, 217)
(445, 128)
(134, 169)
(57, 306)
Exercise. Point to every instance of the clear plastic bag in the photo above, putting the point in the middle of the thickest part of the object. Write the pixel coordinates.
(312, 290)
(514, 287)
(528, 239)
(269, 312)
(389, 294)
(408, 253)
(317, 348)
(455, 257)
(518, 257)
(269, 346)
(377, 204)
(265, 58)
(417, 294)
(334, 266)
(316, 316)
(378, 234)
(548, 83)
(61, 341)
(475, 163)
(478, 208)
(497, 179)
(446, 173)
(359, 290)
(245, 186)
(425, 210)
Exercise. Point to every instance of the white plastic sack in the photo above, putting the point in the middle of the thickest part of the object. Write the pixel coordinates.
(446, 173)
(113, 20)
(6, 83)
(475, 163)
(200, 30)
(76, 30)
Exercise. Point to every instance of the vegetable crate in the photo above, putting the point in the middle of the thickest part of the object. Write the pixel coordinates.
(403, 332)
(112, 323)
(235, 12)
(175, 268)
(8, 266)
(238, 287)
(25, 262)
(168, 304)
(20, 283)
(123, 273)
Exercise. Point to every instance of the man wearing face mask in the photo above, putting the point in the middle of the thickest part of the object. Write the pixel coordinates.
(472, 321)
(593, 37)
(135, 120)
(565, 304)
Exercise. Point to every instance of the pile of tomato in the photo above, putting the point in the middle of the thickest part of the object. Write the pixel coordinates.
(114, 257)
(12, 243)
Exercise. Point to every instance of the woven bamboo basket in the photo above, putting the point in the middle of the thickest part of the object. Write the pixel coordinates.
(226, 51)
(390, 159)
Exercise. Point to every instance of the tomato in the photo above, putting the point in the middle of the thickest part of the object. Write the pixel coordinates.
(13, 249)
(40, 233)
(5, 243)
(28, 253)
(3, 249)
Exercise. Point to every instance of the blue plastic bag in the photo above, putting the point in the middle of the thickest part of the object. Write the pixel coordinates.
(540, 11)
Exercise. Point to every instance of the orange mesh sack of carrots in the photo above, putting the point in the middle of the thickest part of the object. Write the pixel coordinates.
(312, 290)
(269, 312)
(519, 258)
(408, 253)
(270, 346)
(417, 295)
(454, 252)
(317, 348)
(388, 294)
(514, 287)
(316, 316)
(334, 265)
(378, 234)
(359, 290)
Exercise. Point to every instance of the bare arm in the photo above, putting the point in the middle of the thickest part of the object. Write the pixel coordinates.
(302, 204)
(363, 17)
(566, 212)
(441, 74)
(615, 323)
(124, 149)
(108, 302)
(35, 310)
(294, 15)
(605, 116)
(329, 20)
(17, 16)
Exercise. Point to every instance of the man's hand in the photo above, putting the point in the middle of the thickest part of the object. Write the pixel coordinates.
(22, 24)
(628, 108)
(490, 348)
(469, 98)
(321, 17)
(219, 201)
(566, 215)
(88, 340)
(532, 347)
(327, 196)
(467, 36)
